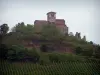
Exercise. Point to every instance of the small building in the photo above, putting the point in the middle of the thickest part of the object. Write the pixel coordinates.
(51, 19)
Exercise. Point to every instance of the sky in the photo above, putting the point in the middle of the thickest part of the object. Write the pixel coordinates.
(80, 15)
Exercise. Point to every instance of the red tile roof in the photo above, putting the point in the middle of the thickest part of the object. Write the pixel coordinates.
(57, 22)
(60, 22)
(40, 22)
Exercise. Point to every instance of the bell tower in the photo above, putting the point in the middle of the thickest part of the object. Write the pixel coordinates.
(51, 17)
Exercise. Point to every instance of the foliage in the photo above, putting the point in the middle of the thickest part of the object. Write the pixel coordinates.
(19, 53)
(23, 29)
(3, 31)
(3, 48)
(87, 52)
(50, 32)
(91, 42)
(3, 51)
(78, 50)
(33, 55)
(44, 58)
(26, 31)
(63, 57)
(54, 57)
(16, 53)
(13, 38)
(97, 51)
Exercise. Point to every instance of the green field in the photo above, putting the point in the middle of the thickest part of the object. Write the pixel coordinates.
(64, 68)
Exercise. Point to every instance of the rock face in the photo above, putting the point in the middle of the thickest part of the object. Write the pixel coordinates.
(51, 19)
(50, 46)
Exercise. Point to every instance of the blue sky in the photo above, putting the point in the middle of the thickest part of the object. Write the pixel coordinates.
(80, 15)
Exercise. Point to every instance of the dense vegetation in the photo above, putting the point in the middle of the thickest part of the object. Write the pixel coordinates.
(13, 50)
(22, 32)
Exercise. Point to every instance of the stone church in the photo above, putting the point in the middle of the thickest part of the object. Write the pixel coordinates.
(51, 18)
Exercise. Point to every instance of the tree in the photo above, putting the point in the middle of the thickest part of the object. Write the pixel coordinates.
(50, 32)
(87, 50)
(25, 31)
(33, 55)
(16, 53)
(91, 42)
(97, 51)
(3, 48)
(77, 35)
(78, 50)
(84, 38)
(3, 51)
(71, 34)
(20, 27)
(3, 31)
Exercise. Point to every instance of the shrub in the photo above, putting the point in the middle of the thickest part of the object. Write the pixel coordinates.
(87, 52)
(54, 57)
(78, 50)
(32, 55)
(16, 53)
(63, 57)
(44, 58)
(19, 53)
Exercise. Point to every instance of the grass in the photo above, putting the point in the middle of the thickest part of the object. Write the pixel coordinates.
(63, 68)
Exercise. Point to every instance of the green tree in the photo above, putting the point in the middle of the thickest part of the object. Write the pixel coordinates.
(25, 31)
(87, 50)
(3, 51)
(78, 50)
(50, 32)
(3, 31)
(3, 48)
(91, 42)
(97, 51)
(20, 27)
(16, 52)
(33, 55)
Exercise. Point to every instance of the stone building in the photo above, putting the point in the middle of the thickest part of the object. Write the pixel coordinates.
(51, 19)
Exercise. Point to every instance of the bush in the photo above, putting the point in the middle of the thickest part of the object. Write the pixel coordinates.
(44, 58)
(19, 53)
(32, 55)
(63, 57)
(53, 58)
(87, 52)
(16, 53)
(78, 50)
